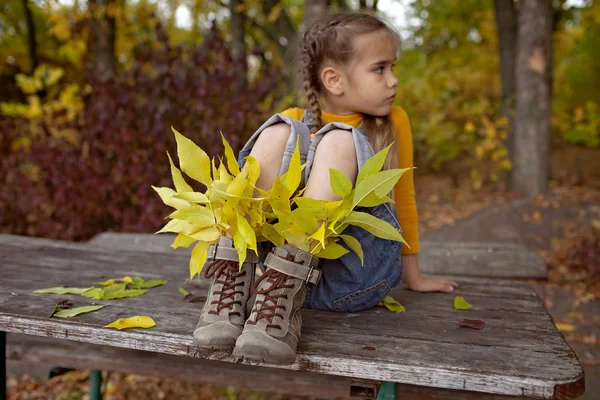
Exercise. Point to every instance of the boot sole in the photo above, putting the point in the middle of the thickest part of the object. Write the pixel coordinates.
(260, 358)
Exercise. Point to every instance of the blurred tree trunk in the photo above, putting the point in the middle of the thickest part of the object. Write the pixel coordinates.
(368, 5)
(238, 41)
(32, 44)
(101, 39)
(507, 26)
(533, 98)
(313, 9)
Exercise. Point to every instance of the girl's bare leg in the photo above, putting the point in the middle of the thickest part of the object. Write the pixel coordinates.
(268, 151)
(336, 150)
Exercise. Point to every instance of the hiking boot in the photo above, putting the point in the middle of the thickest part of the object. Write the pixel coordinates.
(224, 312)
(272, 331)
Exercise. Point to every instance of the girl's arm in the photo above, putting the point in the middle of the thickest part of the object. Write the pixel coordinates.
(413, 280)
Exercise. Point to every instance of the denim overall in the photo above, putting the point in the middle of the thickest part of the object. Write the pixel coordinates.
(345, 285)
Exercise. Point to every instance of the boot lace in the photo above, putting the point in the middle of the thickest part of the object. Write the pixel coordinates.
(268, 307)
(227, 272)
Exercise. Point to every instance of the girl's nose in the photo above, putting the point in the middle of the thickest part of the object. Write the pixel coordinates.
(392, 81)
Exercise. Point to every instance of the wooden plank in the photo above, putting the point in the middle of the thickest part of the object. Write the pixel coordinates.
(422, 346)
(436, 257)
(251, 377)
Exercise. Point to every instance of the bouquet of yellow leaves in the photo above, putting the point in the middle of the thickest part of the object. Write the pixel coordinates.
(279, 215)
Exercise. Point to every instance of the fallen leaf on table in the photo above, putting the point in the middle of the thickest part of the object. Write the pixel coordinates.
(565, 326)
(140, 283)
(392, 305)
(139, 321)
(125, 279)
(183, 291)
(93, 293)
(61, 305)
(72, 312)
(190, 298)
(370, 348)
(461, 304)
(472, 323)
(61, 290)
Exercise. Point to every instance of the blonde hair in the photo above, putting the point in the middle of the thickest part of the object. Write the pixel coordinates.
(331, 39)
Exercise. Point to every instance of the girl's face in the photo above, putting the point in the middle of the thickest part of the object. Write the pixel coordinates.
(370, 84)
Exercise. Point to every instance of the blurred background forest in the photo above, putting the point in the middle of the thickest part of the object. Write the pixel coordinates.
(89, 90)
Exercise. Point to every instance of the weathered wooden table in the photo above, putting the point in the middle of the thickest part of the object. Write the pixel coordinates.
(518, 353)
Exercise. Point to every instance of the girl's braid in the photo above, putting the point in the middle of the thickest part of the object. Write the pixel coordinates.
(311, 57)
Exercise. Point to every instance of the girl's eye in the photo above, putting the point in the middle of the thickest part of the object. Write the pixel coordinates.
(379, 70)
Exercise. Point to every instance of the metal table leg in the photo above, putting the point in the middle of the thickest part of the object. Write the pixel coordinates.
(387, 391)
(95, 385)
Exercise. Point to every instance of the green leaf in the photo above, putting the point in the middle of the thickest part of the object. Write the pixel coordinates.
(193, 160)
(198, 258)
(317, 207)
(232, 164)
(122, 294)
(183, 291)
(372, 200)
(461, 304)
(340, 184)
(148, 284)
(380, 183)
(374, 225)
(93, 293)
(332, 251)
(169, 197)
(372, 165)
(72, 312)
(392, 305)
(180, 184)
(61, 290)
(355, 246)
(271, 234)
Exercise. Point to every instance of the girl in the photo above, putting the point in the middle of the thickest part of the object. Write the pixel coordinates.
(347, 62)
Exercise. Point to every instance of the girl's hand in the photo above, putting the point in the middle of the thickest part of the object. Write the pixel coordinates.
(426, 284)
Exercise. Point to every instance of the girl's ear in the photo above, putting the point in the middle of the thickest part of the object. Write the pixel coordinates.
(333, 81)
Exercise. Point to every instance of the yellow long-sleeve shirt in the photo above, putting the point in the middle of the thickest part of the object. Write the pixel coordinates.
(404, 191)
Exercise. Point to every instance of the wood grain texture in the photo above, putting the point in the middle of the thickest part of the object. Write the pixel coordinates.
(436, 257)
(518, 353)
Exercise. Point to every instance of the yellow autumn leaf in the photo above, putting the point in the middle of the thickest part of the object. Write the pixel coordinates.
(319, 235)
(223, 174)
(565, 327)
(331, 251)
(193, 160)
(178, 226)
(238, 184)
(372, 200)
(232, 164)
(198, 258)
(168, 196)
(109, 282)
(196, 215)
(461, 304)
(182, 240)
(293, 176)
(252, 167)
(380, 183)
(180, 184)
(239, 242)
(209, 234)
(391, 304)
(191, 197)
(246, 231)
(138, 321)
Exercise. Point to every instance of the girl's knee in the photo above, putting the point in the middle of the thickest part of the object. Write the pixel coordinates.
(271, 140)
(338, 142)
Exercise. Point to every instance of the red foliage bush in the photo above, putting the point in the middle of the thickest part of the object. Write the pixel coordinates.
(104, 183)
